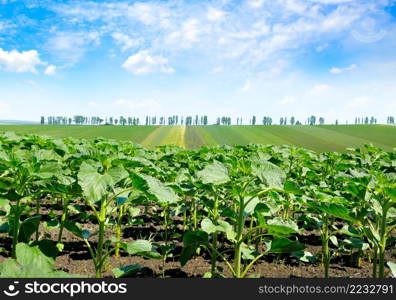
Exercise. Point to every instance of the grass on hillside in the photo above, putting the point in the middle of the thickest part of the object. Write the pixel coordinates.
(318, 138)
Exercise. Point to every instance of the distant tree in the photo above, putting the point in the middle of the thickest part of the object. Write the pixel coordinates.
(312, 120)
(281, 121)
(321, 121)
(292, 121)
(42, 120)
(336, 122)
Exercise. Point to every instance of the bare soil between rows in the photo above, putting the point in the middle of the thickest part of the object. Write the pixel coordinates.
(75, 258)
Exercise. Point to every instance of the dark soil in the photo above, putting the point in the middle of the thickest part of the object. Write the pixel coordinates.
(75, 258)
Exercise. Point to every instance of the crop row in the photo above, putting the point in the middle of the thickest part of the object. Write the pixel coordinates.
(235, 204)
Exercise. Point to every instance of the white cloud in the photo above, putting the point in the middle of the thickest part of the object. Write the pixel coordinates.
(256, 32)
(25, 61)
(137, 106)
(92, 104)
(152, 14)
(335, 70)
(124, 41)
(247, 86)
(143, 63)
(71, 46)
(287, 100)
(214, 14)
(322, 47)
(186, 36)
(217, 69)
(5, 109)
(358, 102)
(256, 3)
(50, 70)
(331, 1)
(318, 89)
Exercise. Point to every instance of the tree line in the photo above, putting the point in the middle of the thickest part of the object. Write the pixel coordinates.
(195, 120)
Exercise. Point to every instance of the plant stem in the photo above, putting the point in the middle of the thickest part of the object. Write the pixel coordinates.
(375, 262)
(62, 223)
(382, 245)
(37, 213)
(214, 235)
(99, 253)
(164, 255)
(15, 232)
(194, 214)
(325, 246)
(239, 239)
(184, 220)
(118, 230)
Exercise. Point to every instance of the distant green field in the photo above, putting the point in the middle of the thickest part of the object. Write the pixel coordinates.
(135, 134)
(318, 138)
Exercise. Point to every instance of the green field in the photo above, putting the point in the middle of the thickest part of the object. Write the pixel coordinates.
(318, 138)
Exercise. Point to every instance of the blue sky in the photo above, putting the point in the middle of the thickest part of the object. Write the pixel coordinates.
(330, 58)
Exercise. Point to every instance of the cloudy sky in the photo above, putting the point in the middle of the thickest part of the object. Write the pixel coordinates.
(330, 58)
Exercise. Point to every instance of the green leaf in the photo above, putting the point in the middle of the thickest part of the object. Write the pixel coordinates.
(391, 192)
(355, 243)
(121, 200)
(334, 240)
(44, 154)
(118, 173)
(93, 184)
(350, 231)
(4, 227)
(269, 173)
(293, 188)
(250, 207)
(27, 255)
(51, 224)
(215, 173)
(392, 267)
(28, 227)
(247, 251)
(30, 263)
(283, 245)
(5, 205)
(191, 241)
(133, 211)
(334, 206)
(126, 270)
(49, 170)
(74, 228)
(304, 256)
(140, 247)
(47, 247)
(337, 211)
(164, 195)
(208, 226)
(284, 227)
